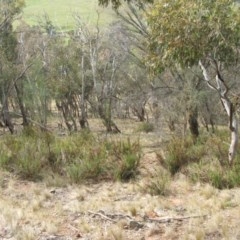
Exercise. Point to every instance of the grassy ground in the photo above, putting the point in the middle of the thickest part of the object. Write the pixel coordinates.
(108, 210)
(61, 12)
(116, 211)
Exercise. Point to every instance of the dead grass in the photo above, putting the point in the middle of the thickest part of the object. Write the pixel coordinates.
(30, 210)
(54, 209)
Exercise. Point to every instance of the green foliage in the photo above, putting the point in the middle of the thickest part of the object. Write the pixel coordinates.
(214, 173)
(85, 170)
(23, 155)
(78, 157)
(181, 151)
(145, 127)
(29, 160)
(213, 167)
(127, 157)
(186, 31)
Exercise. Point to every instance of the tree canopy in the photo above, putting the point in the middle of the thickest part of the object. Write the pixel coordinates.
(186, 31)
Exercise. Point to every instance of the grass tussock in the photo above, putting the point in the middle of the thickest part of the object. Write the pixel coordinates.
(182, 151)
(77, 157)
(145, 127)
(204, 160)
(159, 184)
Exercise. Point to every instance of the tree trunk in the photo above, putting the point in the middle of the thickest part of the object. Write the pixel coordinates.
(193, 122)
(106, 116)
(83, 119)
(233, 126)
(21, 106)
(222, 90)
(5, 111)
(6, 117)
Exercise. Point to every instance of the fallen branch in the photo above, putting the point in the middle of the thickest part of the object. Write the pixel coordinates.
(169, 219)
(102, 216)
(119, 215)
(135, 224)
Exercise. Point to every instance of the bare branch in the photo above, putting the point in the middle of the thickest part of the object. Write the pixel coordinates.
(206, 76)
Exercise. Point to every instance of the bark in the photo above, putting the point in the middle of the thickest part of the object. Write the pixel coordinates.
(21, 106)
(105, 115)
(7, 118)
(64, 110)
(207, 118)
(83, 119)
(193, 123)
(222, 90)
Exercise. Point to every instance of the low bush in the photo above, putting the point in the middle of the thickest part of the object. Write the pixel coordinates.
(77, 157)
(126, 159)
(207, 162)
(145, 127)
(181, 151)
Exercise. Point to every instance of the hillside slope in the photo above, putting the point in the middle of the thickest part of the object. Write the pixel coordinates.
(61, 12)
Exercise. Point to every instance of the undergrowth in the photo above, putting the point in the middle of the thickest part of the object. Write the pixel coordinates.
(158, 184)
(78, 157)
(204, 160)
(145, 127)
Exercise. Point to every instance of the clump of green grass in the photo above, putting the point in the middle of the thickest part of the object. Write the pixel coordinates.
(145, 127)
(181, 151)
(126, 159)
(104, 160)
(77, 157)
(214, 173)
(91, 164)
(206, 161)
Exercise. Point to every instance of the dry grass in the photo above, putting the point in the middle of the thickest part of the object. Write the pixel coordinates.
(30, 210)
(53, 209)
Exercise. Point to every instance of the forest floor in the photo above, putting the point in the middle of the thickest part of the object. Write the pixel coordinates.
(52, 209)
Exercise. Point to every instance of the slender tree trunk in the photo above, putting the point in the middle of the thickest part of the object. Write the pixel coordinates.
(83, 119)
(6, 117)
(105, 114)
(193, 122)
(222, 90)
(62, 109)
(21, 106)
(233, 126)
(5, 111)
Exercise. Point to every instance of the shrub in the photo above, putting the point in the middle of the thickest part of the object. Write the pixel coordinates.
(145, 127)
(126, 159)
(214, 168)
(93, 165)
(127, 167)
(181, 151)
(78, 157)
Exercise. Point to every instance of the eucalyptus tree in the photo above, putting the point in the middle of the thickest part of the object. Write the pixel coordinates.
(33, 91)
(102, 53)
(133, 37)
(187, 33)
(65, 79)
(9, 71)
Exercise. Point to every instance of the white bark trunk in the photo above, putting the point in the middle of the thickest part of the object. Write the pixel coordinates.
(234, 141)
(233, 122)
(233, 126)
